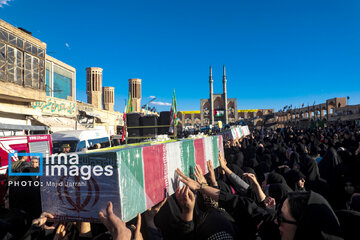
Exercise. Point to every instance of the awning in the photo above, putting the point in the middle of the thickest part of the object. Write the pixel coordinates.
(13, 127)
(59, 123)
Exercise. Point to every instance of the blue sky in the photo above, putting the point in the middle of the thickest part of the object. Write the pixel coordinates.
(276, 52)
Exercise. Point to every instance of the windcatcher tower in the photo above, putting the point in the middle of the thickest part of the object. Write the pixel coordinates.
(94, 86)
(135, 91)
(108, 98)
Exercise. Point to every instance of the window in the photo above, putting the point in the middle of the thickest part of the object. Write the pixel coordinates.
(2, 61)
(48, 84)
(57, 146)
(62, 81)
(34, 50)
(19, 73)
(20, 43)
(40, 52)
(12, 39)
(14, 65)
(32, 71)
(19, 67)
(4, 35)
(28, 72)
(28, 46)
(10, 64)
(42, 74)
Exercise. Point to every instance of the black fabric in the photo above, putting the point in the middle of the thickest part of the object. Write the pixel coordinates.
(279, 191)
(355, 203)
(349, 222)
(329, 165)
(318, 221)
(215, 221)
(169, 221)
(247, 214)
(275, 178)
(309, 168)
(292, 178)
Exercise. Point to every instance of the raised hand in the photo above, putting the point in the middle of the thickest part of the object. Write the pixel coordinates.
(270, 203)
(223, 164)
(256, 185)
(61, 232)
(211, 172)
(137, 228)
(222, 161)
(199, 175)
(40, 222)
(114, 224)
(193, 185)
(251, 177)
(155, 209)
(186, 200)
(189, 200)
(150, 214)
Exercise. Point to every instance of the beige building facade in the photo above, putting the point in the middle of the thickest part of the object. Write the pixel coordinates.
(332, 110)
(22, 76)
(38, 92)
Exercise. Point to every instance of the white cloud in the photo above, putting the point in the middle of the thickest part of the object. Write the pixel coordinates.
(67, 45)
(152, 97)
(161, 103)
(4, 2)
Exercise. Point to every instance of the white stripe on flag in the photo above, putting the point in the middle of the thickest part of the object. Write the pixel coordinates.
(173, 152)
(208, 149)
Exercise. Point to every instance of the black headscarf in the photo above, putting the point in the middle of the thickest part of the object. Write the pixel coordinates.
(275, 178)
(329, 166)
(292, 178)
(294, 159)
(318, 221)
(279, 191)
(310, 169)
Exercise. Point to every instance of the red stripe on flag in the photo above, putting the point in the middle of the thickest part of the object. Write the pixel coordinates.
(221, 145)
(200, 153)
(242, 131)
(154, 174)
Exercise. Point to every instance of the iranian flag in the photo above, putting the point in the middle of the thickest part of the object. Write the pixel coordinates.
(219, 113)
(173, 114)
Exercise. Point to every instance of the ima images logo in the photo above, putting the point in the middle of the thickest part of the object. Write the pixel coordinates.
(62, 165)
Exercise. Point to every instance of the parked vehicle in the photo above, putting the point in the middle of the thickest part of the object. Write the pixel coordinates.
(31, 144)
(80, 140)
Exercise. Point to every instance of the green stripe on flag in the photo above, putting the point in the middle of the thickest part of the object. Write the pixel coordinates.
(215, 142)
(188, 156)
(132, 190)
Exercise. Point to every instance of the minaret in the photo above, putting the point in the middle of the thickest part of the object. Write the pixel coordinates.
(225, 95)
(211, 81)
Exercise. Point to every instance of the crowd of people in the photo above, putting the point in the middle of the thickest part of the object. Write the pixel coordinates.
(273, 184)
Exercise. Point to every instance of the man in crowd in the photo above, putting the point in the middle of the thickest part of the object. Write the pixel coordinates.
(65, 148)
